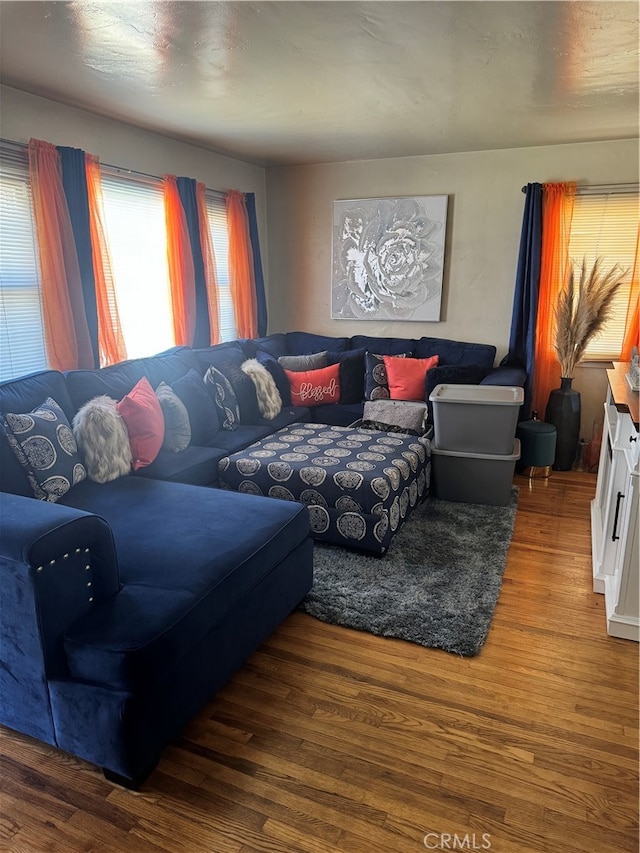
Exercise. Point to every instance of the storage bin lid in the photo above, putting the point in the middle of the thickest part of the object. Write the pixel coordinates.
(494, 457)
(495, 395)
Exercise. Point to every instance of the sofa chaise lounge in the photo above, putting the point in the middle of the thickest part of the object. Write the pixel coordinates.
(126, 604)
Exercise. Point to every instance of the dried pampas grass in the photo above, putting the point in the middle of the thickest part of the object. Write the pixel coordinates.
(583, 309)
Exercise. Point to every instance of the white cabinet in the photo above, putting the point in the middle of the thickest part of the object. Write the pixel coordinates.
(614, 510)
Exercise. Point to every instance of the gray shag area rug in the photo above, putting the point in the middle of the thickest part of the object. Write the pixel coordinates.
(437, 585)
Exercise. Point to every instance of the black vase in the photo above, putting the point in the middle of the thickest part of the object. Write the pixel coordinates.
(563, 411)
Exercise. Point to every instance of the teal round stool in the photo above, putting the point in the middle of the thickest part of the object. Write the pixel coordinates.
(537, 447)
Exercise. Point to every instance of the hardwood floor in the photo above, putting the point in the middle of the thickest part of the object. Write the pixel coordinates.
(333, 740)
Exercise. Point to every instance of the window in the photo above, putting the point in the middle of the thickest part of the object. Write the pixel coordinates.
(134, 222)
(217, 215)
(136, 234)
(606, 224)
(22, 348)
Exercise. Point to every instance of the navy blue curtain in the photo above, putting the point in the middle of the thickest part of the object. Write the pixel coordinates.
(74, 182)
(187, 193)
(525, 301)
(261, 299)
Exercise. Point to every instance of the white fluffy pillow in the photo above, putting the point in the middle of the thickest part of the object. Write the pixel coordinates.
(103, 439)
(269, 399)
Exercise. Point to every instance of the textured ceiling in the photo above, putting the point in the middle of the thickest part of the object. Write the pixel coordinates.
(310, 82)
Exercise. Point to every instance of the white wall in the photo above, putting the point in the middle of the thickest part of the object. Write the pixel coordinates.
(483, 236)
(25, 116)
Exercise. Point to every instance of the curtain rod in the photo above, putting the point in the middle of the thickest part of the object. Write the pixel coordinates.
(602, 189)
(122, 169)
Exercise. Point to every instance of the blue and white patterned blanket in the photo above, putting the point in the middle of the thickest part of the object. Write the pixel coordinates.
(359, 485)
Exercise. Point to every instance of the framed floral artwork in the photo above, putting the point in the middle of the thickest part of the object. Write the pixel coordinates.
(388, 258)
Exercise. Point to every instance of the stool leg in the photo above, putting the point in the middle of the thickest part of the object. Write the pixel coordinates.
(537, 472)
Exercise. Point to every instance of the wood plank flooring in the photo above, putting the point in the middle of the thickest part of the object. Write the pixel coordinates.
(333, 740)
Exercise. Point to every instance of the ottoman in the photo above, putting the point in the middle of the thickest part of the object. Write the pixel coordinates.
(359, 485)
(538, 447)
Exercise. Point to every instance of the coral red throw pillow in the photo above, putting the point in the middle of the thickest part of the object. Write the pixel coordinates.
(315, 387)
(407, 376)
(142, 414)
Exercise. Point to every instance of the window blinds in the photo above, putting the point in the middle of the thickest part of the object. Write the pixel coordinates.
(217, 215)
(607, 225)
(22, 348)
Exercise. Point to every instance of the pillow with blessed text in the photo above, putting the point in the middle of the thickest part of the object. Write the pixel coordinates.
(315, 387)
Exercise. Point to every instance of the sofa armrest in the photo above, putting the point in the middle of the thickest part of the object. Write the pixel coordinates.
(514, 376)
(56, 563)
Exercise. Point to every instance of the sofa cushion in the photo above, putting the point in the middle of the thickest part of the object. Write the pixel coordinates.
(455, 352)
(197, 466)
(183, 592)
(177, 429)
(384, 346)
(203, 416)
(220, 352)
(337, 414)
(228, 358)
(245, 392)
(376, 385)
(170, 365)
(141, 411)
(315, 387)
(45, 447)
(514, 376)
(224, 398)
(279, 377)
(103, 439)
(113, 381)
(22, 395)
(351, 374)
(406, 376)
(242, 437)
(454, 374)
(312, 361)
(302, 343)
(275, 345)
(288, 415)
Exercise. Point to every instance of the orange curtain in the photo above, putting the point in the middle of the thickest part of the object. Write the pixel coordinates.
(209, 261)
(557, 213)
(632, 330)
(181, 273)
(110, 340)
(66, 331)
(241, 276)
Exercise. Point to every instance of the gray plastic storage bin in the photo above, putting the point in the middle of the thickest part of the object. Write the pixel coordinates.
(475, 478)
(476, 418)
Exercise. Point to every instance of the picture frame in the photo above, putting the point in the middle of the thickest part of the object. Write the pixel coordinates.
(388, 258)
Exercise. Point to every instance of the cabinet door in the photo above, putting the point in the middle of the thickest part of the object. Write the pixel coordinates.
(614, 511)
(623, 608)
(626, 566)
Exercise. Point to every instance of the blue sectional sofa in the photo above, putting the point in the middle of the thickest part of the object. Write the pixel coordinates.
(127, 604)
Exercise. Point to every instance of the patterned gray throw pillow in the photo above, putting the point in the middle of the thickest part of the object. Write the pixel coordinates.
(44, 444)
